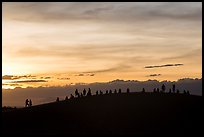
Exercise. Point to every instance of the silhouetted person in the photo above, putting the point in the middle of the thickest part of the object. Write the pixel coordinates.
(106, 91)
(66, 98)
(128, 90)
(81, 95)
(169, 90)
(154, 90)
(184, 92)
(188, 93)
(174, 88)
(143, 90)
(119, 91)
(97, 93)
(110, 91)
(163, 88)
(30, 103)
(177, 91)
(101, 93)
(84, 92)
(26, 103)
(115, 91)
(157, 90)
(77, 93)
(89, 92)
(57, 100)
(71, 96)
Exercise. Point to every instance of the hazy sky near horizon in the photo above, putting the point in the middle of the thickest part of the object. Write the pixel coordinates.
(50, 44)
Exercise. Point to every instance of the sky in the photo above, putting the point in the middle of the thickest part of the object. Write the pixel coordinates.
(58, 44)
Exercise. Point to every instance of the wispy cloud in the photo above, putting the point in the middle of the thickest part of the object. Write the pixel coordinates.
(154, 75)
(166, 65)
(63, 78)
(45, 77)
(79, 75)
(85, 74)
(44, 12)
(11, 84)
(191, 54)
(14, 77)
(92, 75)
(28, 81)
(117, 67)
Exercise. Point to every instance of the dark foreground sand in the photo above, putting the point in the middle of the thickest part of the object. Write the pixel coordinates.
(133, 113)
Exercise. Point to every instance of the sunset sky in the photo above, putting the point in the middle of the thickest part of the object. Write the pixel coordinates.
(56, 44)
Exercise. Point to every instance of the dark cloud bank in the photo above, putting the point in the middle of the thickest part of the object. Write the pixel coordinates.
(28, 81)
(166, 65)
(14, 77)
(154, 75)
(17, 96)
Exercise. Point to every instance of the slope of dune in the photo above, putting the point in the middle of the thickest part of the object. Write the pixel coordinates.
(115, 114)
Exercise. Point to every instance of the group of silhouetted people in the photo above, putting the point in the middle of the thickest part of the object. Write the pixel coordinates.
(89, 93)
(83, 94)
(110, 91)
(173, 90)
(28, 103)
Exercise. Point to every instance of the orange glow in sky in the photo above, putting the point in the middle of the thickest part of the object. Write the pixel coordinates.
(52, 44)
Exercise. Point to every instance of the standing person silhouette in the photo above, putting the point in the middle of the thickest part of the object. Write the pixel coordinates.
(143, 90)
(97, 93)
(115, 91)
(89, 92)
(77, 93)
(26, 103)
(119, 91)
(128, 90)
(30, 103)
(174, 88)
(157, 90)
(163, 88)
(84, 92)
(110, 91)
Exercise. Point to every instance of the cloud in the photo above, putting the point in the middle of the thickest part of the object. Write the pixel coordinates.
(14, 77)
(7, 77)
(44, 12)
(11, 84)
(45, 77)
(166, 65)
(118, 67)
(81, 74)
(154, 75)
(63, 78)
(28, 81)
(98, 10)
(191, 54)
(91, 74)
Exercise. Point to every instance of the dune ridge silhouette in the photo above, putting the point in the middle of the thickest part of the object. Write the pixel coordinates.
(140, 113)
